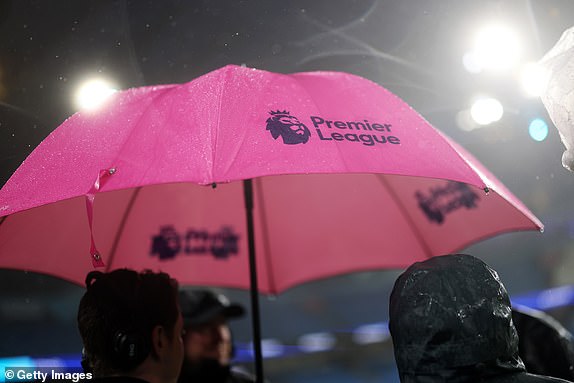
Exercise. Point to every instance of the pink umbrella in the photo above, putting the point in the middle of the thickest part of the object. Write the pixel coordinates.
(346, 177)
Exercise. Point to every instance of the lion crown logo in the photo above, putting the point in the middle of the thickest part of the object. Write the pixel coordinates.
(282, 123)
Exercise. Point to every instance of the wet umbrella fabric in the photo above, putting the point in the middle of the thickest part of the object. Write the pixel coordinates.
(346, 177)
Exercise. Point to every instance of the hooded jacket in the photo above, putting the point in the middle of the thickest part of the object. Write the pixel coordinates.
(546, 347)
(450, 320)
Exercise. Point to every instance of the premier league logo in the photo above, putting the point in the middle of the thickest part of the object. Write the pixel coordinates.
(439, 201)
(293, 132)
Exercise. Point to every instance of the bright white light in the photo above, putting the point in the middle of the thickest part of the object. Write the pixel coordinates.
(496, 48)
(93, 93)
(471, 62)
(316, 342)
(486, 111)
(538, 129)
(534, 79)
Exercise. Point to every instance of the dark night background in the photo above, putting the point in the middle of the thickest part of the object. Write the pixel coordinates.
(413, 48)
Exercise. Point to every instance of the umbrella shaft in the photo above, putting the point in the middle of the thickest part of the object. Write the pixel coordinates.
(254, 289)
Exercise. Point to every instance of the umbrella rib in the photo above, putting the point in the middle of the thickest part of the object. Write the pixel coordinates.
(122, 226)
(410, 221)
(264, 229)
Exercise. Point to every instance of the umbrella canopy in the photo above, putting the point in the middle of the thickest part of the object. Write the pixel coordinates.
(347, 177)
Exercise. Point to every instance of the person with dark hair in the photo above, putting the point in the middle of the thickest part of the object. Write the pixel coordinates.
(208, 341)
(131, 327)
(450, 320)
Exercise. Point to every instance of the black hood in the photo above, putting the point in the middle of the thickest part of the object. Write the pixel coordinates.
(450, 316)
(545, 347)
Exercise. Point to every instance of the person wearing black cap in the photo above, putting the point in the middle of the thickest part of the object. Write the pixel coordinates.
(208, 344)
(450, 320)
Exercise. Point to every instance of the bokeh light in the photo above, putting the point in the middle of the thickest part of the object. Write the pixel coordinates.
(93, 93)
(316, 342)
(271, 348)
(485, 111)
(538, 129)
(371, 333)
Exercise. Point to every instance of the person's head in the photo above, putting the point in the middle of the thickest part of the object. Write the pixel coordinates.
(131, 324)
(207, 334)
(451, 313)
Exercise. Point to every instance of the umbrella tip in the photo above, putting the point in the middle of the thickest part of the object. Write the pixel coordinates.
(486, 190)
(213, 185)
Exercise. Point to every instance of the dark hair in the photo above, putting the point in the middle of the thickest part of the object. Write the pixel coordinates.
(124, 302)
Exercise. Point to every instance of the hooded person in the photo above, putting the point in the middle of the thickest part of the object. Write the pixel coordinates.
(450, 320)
(546, 347)
(208, 342)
